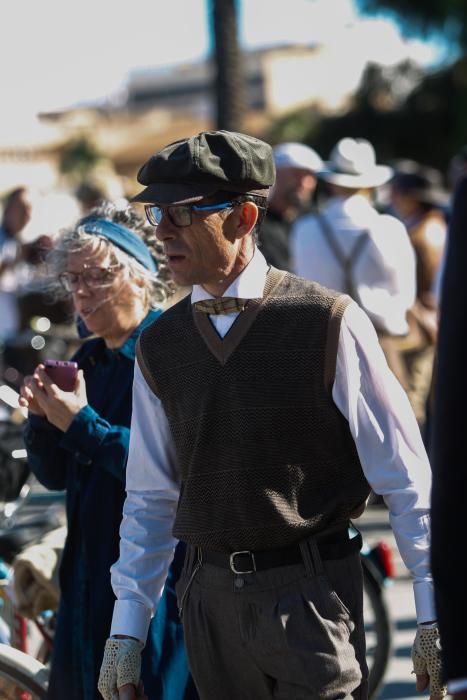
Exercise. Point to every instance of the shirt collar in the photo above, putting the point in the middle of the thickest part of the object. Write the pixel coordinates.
(356, 207)
(129, 346)
(248, 285)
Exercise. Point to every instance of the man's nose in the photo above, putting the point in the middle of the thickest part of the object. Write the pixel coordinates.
(165, 230)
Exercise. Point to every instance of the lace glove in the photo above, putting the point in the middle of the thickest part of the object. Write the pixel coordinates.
(426, 658)
(121, 664)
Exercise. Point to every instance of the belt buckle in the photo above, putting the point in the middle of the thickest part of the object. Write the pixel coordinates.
(232, 562)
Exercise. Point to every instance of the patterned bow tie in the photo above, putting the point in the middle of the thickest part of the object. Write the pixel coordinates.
(222, 305)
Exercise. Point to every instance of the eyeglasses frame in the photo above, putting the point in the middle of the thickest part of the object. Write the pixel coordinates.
(106, 270)
(190, 207)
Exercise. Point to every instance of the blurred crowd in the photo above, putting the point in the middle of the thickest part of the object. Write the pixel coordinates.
(376, 232)
(81, 276)
(35, 322)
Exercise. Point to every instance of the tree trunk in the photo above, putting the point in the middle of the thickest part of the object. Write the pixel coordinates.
(228, 82)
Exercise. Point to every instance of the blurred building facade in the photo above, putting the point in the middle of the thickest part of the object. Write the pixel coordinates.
(161, 106)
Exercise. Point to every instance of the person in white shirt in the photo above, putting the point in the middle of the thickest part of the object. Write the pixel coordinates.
(350, 247)
(16, 215)
(256, 433)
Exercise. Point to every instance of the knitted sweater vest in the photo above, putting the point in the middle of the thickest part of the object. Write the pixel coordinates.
(265, 456)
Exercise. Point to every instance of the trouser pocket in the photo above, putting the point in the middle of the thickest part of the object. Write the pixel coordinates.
(191, 567)
(316, 632)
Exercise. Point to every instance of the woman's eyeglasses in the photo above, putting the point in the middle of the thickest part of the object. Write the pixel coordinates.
(93, 277)
(181, 215)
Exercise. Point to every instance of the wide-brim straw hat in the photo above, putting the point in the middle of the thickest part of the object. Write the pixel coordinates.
(352, 164)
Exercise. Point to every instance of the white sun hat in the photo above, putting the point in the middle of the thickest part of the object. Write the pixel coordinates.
(296, 155)
(352, 164)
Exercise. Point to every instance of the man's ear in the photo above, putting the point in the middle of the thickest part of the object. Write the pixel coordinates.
(248, 216)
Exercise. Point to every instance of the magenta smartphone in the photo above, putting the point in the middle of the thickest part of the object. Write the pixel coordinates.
(63, 373)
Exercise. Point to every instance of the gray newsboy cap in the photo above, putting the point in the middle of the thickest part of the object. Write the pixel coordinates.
(196, 167)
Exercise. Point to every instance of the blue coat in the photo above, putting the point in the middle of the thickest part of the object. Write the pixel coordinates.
(89, 462)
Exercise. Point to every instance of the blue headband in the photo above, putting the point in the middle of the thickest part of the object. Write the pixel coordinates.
(122, 237)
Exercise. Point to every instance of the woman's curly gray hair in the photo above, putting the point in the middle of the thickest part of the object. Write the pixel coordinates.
(157, 286)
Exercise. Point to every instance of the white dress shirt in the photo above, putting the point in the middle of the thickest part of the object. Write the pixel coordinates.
(382, 424)
(384, 273)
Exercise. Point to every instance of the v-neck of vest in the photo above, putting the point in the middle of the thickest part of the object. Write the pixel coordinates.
(222, 348)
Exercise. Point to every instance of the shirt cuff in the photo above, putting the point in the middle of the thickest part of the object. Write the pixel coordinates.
(457, 686)
(85, 434)
(424, 601)
(131, 618)
(38, 431)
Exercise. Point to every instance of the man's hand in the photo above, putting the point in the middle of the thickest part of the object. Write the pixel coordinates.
(426, 659)
(120, 670)
(129, 692)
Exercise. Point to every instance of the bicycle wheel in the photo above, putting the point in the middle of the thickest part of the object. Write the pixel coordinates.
(377, 628)
(22, 677)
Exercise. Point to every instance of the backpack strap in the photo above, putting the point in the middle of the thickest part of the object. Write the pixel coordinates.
(347, 263)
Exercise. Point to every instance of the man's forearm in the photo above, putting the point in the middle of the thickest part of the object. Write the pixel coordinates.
(146, 551)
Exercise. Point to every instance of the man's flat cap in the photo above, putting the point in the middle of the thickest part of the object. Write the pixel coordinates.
(190, 169)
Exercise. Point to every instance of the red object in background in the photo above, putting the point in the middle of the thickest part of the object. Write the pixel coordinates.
(386, 559)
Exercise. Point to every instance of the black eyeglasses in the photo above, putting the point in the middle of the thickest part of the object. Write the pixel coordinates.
(181, 215)
(93, 277)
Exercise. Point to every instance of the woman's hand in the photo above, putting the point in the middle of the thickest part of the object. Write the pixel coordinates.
(58, 406)
(27, 397)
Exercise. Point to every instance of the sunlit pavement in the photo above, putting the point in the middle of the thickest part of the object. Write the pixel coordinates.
(399, 681)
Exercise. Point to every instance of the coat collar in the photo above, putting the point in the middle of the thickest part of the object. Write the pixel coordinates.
(97, 346)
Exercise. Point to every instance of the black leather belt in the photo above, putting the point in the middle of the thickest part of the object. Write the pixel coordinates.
(246, 562)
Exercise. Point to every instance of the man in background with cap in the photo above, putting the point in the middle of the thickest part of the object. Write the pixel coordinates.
(256, 434)
(352, 248)
(291, 196)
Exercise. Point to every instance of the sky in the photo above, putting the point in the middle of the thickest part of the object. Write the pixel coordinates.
(55, 53)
